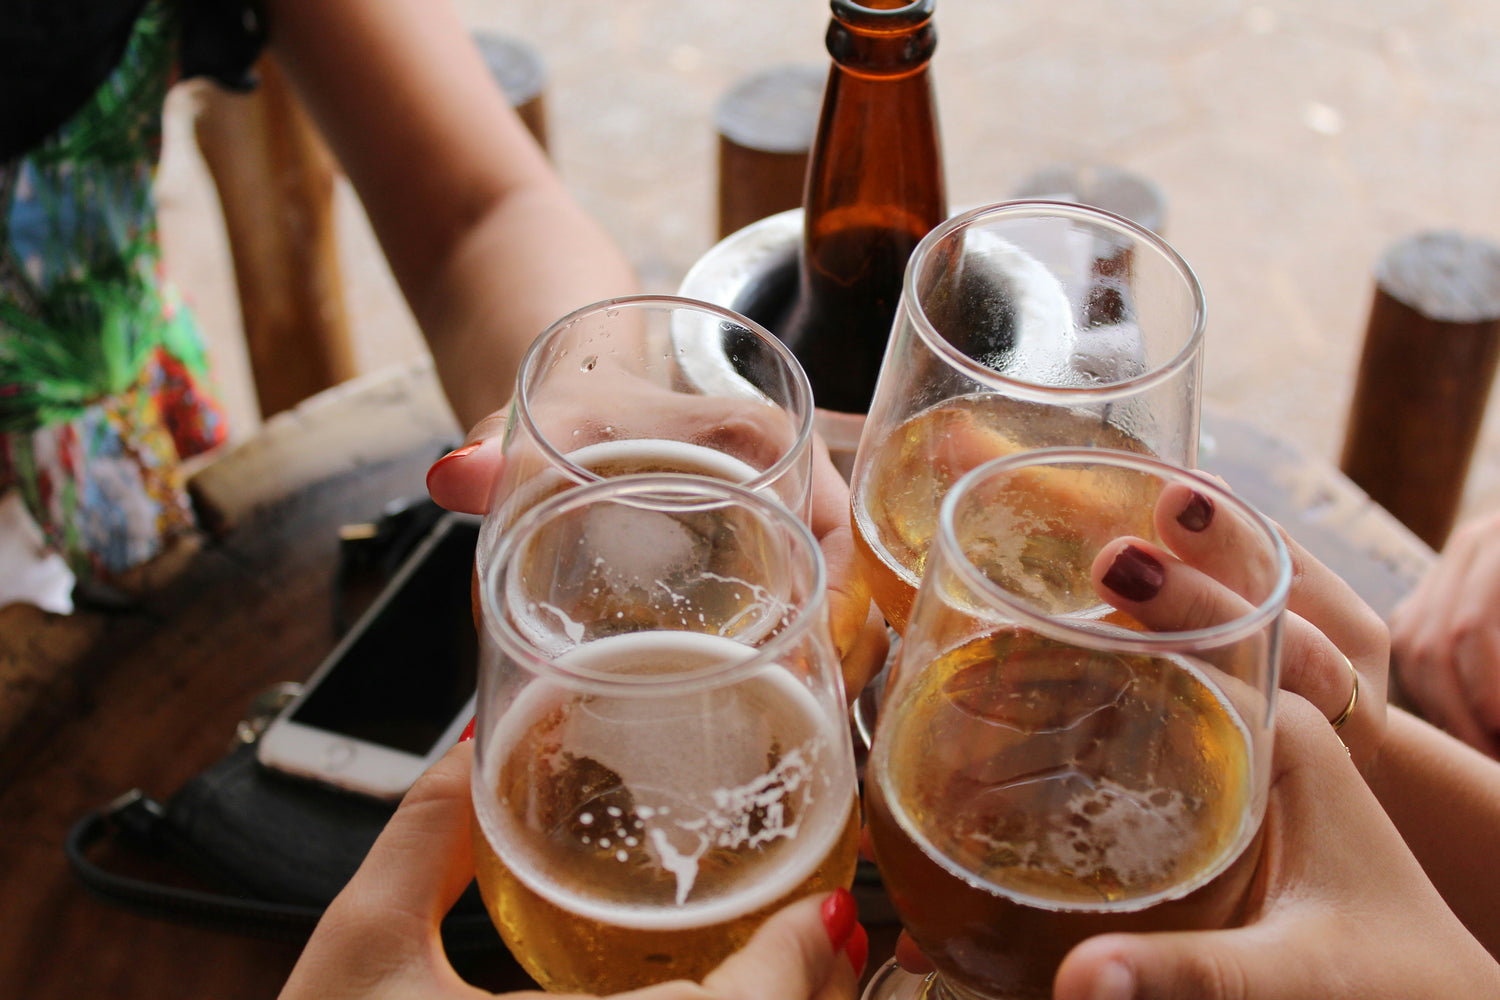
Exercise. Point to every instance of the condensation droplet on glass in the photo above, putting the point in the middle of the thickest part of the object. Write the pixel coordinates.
(589, 363)
(622, 856)
(585, 818)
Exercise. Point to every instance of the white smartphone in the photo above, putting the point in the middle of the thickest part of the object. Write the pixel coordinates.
(398, 690)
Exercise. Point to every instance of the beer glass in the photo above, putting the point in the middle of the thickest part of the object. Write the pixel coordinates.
(662, 755)
(654, 383)
(1045, 766)
(1021, 325)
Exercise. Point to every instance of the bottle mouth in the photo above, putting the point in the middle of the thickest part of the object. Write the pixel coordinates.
(883, 13)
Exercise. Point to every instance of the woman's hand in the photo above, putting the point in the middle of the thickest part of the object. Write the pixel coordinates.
(1445, 638)
(1212, 560)
(1346, 909)
(379, 940)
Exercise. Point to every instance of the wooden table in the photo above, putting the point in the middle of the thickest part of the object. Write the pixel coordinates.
(96, 703)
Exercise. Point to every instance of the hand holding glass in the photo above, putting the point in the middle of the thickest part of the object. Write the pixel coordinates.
(662, 753)
(1047, 767)
(1021, 325)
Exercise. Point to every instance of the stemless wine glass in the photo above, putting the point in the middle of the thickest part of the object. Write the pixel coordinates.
(1021, 325)
(662, 756)
(655, 383)
(1047, 768)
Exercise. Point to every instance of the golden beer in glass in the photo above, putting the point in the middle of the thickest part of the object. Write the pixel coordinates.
(662, 756)
(1023, 325)
(1045, 768)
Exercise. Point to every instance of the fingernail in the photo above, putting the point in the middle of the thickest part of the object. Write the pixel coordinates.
(468, 733)
(840, 917)
(1198, 514)
(1135, 575)
(453, 456)
(1115, 982)
(858, 949)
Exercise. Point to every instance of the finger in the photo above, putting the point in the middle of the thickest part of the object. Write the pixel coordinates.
(1162, 592)
(910, 957)
(1438, 693)
(462, 479)
(1218, 540)
(1221, 543)
(1476, 633)
(857, 640)
(1165, 594)
(1477, 665)
(1213, 965)
(869, 653)
(384, 926)
(423, 859)
(794, 954)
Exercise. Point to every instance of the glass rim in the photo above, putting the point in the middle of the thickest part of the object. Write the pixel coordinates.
(652, 491)
(911, 301)
(1060, 627)
(801, 387)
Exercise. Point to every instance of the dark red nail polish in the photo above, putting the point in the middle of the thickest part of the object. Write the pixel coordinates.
(1135, 575)
(858, 950)
(1198, 514)
(840, 917)
(468, 733)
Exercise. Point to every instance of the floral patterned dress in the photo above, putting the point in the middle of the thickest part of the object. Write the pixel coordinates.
(102, 370)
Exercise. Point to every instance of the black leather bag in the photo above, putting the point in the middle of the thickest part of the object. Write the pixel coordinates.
(243, 848)
(248, 850)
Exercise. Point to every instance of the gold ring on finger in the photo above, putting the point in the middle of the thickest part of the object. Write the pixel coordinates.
(1343, 717)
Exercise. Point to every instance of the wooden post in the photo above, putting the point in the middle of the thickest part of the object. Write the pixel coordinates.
(275, 180)
(766, 123)
(1430, 354)
(1101, 186)
(518, 69)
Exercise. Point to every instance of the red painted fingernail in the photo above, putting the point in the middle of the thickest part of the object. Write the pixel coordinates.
(840, 917)
(1135, 575)
(468, 733)
(455, 455)
(858, 949)
(1198, 514)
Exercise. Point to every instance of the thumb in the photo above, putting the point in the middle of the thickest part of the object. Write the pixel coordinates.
(792, 955)
(1213, 965)
(423, 859)
(461, 480)
(382, 930)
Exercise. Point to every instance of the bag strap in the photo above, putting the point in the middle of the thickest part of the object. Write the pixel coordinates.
(140, 822)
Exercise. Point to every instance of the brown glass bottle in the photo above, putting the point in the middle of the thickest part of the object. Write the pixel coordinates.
(874, 189)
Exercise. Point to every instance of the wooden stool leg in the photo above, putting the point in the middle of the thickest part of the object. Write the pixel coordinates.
(766, 123)
(518, 68)
(1113, 189)
(275, 180)
(1430, 354)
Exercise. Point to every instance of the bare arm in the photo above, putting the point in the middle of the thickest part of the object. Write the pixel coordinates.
(1444, 797)
(485, 241)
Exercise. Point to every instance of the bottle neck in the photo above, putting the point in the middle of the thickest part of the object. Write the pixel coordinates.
(867, 40)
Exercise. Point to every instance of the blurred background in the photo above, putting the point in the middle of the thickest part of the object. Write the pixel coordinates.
(1293, 141)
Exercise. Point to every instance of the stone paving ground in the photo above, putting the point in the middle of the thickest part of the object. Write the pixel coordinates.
(1294, 141)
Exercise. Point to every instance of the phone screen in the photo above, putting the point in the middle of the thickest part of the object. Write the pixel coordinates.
(413, 664)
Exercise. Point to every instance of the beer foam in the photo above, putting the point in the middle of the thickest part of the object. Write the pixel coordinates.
(1137, 836)
(1100, 832)
(675, 456)
(682, 811)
